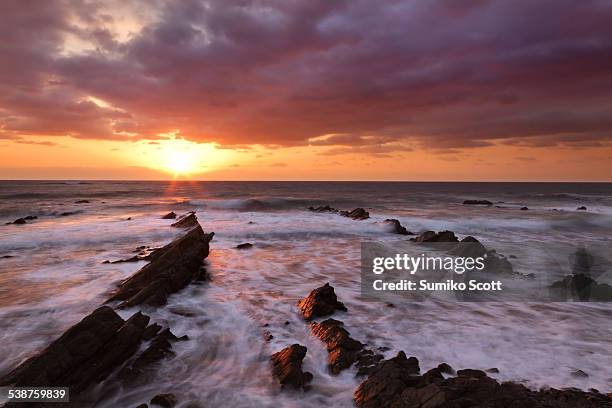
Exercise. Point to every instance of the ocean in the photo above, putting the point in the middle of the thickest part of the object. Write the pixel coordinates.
(52, 274)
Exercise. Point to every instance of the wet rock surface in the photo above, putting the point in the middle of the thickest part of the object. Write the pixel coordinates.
(432, 236)
(23, 220)
(581, 287)
(246, 245)
(172, 268)
(170, 216)
(356, 214)
(85, 354)
(164, 400)
(477, 202)
(186, 221)
(320, 302)
(287, 367)
(397, 383)
(323, 209)
(396, 227)
(343, 350)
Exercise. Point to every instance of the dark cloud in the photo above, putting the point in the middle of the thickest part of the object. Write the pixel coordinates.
(377, 78)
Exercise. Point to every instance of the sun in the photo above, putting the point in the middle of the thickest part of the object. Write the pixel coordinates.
(179, 158)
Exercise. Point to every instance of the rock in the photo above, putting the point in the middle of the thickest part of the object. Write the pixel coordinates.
(524, 208)
(471, 373)
(384, 386)
(323, 208)
(67, 213)
(186, 221)
(582, 288)
(172, 268)
(446, 369)
(432, 236)
(128, 219)
(396, 227)
(581, 208)
(477, 202)
(170, 216)
(164, 400)
(7, 256)
(492, 370)
(151, 331)
(267, 336)
(143, 406)
(394, 384)
(469, 247)
(341, 347)
(158, 349)
(287, 367)
(579, 374)
(356, 214)
(82, 202)
(320, 302)
(246, 245)
(84, 355)
(30, 217)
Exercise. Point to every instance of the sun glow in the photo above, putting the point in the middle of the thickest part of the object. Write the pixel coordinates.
(180, 160)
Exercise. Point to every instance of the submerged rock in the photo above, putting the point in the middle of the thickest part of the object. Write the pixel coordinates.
(246, 245)
(320, 302)
(581, 208)
(186, 221)
(581, 287)
(432, 236)
(323, 208)
(23, 220)
(170, 216)
(396, 227)
(84, 355)
(172, 268)
(287, 367)
(82, 202)
(356, 214)
(477, 202)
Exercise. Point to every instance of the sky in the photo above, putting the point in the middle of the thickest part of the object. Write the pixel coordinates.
(483, 90)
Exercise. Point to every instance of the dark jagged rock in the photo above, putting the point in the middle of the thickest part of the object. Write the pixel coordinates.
(267, 336)
(82, 202)
(582, 288)
(323, 208)
(492, 370)
(477, 202)
(7, 256)
(142, 406)
(287, 367)
(396, 227)
(343, 350)
(67, 213)
(320, 302)
(579, 374)
(164, 400)
(151, 331)
(446, 369)
(186, 221)
(246, 245)
(581, 208)
(172, 268)
(397, 383)
(524, 208)
(384, 386)
(432, 236)
(84, 355)
(469, 247)
(159, 348)
(356, 214)
(170, 216)
(23, 220)
(145, 253)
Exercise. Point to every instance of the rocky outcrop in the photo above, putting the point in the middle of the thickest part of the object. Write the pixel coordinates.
(397, 383)
(320, 302)
(144, 253)
(85, 354)
(24, 220)
(396, 227)
(581, 208)
(172, 268)
(246, 245)
(287, 367)
(477, 202)
(170, 216)
(581, 287)
(432, 236)
(188, 220)
(343, 350)
(356, 214)
(323, 209)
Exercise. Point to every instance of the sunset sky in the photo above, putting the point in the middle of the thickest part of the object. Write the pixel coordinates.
(306, 90)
